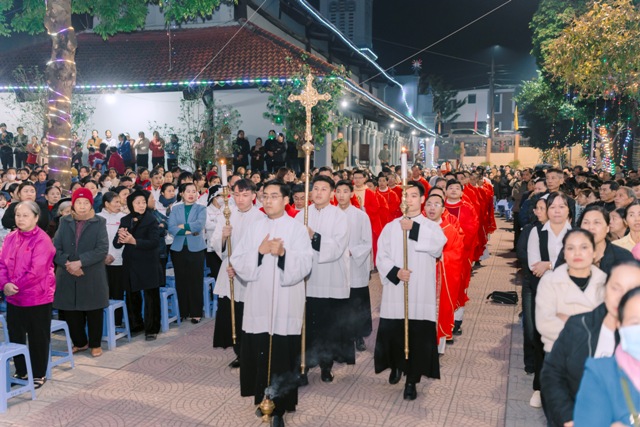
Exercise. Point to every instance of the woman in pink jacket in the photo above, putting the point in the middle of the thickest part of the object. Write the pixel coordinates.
(28, 281)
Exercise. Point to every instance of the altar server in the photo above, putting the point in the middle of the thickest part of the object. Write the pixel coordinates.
(328, 285)
(425, 242)
(272, 260)
(244, 215)
(360, 246)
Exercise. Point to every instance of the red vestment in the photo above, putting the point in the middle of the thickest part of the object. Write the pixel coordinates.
(377, 215)
(468, 220)
(448, 274)
(393, 202)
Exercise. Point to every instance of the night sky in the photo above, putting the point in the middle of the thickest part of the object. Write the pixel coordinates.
(401, 28)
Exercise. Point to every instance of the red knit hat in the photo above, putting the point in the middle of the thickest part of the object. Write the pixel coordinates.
(211, 174)
(82, 193)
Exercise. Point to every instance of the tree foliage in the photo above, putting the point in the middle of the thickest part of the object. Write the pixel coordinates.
(551, 116)
(550, 19)
(326, 115)
(445, 105)
(31, 105)
(114, 16)
(599, 53)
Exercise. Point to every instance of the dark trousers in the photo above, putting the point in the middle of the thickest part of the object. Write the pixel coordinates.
(213, 262)
(151, 311)
(142, 160)
(171, 163)
(77, 321)
(151, 320)
(34, 322)
(189, 271)
(528, 321)
(7, 159)
(157, 161)
(516, 229)
(21, 159)
(116, 287)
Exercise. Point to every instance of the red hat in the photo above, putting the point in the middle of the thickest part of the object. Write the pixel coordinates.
(82, 193)
(211, 174)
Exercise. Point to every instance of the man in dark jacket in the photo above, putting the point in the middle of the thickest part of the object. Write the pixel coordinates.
(591, 334)
(241, 151)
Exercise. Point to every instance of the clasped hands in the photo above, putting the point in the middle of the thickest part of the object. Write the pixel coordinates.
(124, 237)
(74, 268)
(273, 246)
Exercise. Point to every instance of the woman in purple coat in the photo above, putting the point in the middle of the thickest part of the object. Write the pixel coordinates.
(28, 281)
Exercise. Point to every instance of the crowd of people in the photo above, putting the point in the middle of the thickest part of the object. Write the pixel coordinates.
(117, 232)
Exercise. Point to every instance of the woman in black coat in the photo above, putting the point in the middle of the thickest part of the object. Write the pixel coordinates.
(140, 235)
(82, 290)
(591, 334)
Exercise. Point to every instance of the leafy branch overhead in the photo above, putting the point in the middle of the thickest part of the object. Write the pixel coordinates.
(114, 16)
(326, 115)
(599, 53)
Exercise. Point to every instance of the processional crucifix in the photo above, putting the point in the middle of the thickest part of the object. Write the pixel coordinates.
(309, 98)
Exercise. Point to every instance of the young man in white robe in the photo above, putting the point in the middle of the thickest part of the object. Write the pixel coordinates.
(272, 260)
(360, 247)
(243, 217)
(328, 285)
(425, 241)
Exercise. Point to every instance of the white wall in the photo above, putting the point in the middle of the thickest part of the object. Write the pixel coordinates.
(131, 112)
(468, 111)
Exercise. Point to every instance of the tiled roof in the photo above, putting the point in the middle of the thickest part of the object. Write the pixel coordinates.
(144, 56)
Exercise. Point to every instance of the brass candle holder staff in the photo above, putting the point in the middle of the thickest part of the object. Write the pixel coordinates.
(227, 215)
(404, 207)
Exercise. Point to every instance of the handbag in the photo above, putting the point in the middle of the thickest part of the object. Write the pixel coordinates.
(503, 297)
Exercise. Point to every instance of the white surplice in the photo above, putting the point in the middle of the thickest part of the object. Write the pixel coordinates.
(360, 246)
(241, 223)
(274, 297)
(330, 272)
(422, 255)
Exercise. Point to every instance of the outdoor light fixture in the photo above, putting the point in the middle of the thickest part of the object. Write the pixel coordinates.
(392, 125)
(344, 103)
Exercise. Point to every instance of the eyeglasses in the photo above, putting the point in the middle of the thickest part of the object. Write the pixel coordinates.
(271, 196)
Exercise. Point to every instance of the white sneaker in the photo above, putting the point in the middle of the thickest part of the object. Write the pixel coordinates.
(536, 400)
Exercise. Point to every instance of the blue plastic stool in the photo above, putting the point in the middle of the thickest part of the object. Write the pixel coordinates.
(9, 351)
(171, 282)
(110, 333)
(169, 310)
(208, 285)
(63, 357)
(5, 329)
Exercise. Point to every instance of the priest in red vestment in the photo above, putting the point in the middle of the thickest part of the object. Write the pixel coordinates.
(449, 265)
(365, 199)
(468, 218)
(390, 196)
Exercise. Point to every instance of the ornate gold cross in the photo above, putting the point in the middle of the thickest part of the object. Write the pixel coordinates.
(309, 97)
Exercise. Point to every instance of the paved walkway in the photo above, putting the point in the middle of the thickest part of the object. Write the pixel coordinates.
(180, 380)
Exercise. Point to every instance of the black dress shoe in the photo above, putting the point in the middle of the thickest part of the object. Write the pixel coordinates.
(450, 341)
(360, 345)
(410, 392)
(395, 376)
(235, 363)
(303, 379)
(277, 421)
(195, 321)
(457, 328)
(326, 375)
(151, 337)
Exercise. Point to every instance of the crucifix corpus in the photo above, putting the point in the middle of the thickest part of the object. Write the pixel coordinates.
(308, 98)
